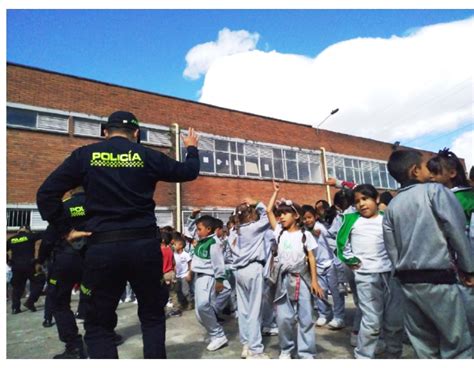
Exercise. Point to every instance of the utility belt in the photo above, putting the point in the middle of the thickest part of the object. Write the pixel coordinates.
(254, 261)
(124, 235)
(446, 276)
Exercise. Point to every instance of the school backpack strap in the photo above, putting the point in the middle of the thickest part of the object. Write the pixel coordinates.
(342, 238)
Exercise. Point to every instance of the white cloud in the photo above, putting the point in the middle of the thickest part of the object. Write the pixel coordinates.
(391, 89)
(463, 146)
(200, 57)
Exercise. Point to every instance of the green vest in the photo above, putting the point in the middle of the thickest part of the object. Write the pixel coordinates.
(342, 238)
(465, 196)
(203, 248)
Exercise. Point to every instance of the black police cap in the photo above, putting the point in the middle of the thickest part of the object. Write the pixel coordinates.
(123, 119)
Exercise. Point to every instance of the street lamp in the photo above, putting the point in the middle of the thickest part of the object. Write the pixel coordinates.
(326, 118)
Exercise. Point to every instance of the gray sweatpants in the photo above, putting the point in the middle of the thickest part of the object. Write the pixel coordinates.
(204, 299)
(249, 287)
(296, 317)
(223, 298)
(381, 304)
(355, 297)
(328, 282)
(268, 311)
(435, 320)
(467, 295)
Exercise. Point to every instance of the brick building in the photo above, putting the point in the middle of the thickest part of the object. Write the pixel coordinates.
(50, 114)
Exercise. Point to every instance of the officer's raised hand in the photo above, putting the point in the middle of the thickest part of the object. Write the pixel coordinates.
(191, 139)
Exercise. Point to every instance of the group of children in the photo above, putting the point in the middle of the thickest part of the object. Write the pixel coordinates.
(410, 266)
(409, 263)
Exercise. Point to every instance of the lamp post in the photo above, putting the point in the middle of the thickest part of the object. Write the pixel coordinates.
(326, 118)
(323, 156)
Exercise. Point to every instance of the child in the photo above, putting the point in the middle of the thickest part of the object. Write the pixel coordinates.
(296, 280)
(269, 325)
(423, 222)
(208, 267)
(448, 170)
(223, 301)
(248, 252)
(183, 273)
(380, 298)
(327, 274)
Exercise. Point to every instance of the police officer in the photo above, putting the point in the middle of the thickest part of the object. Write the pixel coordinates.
(22, 258)
(65, 270)
(119, 178)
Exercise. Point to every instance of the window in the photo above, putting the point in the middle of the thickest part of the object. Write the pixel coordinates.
(36, 120)
(360, 171)
(21, 215)
(87, 127)
(222, 214)
(164, 217)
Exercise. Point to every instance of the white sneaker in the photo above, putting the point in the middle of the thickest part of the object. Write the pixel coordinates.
(336, 324)
(127, 300)
(251, 355)
(285, 355)
(169, 305)
(245, 352)
(135, 301)
(321, 321)
(217, 343)
(120, 301)
(353, 339)
(270, 331)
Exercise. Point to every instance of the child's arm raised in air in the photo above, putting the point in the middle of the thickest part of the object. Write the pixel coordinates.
(271, 203)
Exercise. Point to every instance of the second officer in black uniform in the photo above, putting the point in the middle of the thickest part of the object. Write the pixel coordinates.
(119, 178)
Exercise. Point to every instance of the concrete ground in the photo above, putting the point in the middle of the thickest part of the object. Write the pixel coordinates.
(28, 339)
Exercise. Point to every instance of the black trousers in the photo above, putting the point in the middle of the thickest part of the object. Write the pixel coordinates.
(65, 271)
(20, 274)
(107, 268)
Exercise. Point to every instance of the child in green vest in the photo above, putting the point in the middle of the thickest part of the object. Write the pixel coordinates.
(360, 245)
(209, 271)
(447, 169)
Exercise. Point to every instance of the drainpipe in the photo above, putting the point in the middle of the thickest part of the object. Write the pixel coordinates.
(328, 189)
(177, 145)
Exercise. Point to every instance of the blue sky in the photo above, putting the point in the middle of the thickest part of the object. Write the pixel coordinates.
(146, 49)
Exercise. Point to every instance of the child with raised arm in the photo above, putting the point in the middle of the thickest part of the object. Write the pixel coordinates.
(423, 227)
(296, 280)
(248, 253)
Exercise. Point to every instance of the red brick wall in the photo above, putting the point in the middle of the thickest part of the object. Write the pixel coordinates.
(33, 155)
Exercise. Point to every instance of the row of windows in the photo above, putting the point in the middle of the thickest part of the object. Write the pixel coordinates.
(222, 156)
(31, 119)
(360, 171)
(29, 215)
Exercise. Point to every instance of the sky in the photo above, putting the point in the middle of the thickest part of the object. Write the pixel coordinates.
(394, 75)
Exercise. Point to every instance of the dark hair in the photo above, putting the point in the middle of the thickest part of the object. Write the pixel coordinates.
(330, 215)
(307, 208)
(325, 204)
(400, 162)
(367, 190)
(294, 208)
(218, 223)
(178, 237)
(166, 237)
(344, 198)
(167, 229)
(244, 214)
(207, 221)
(447, 160)
(385, 198)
